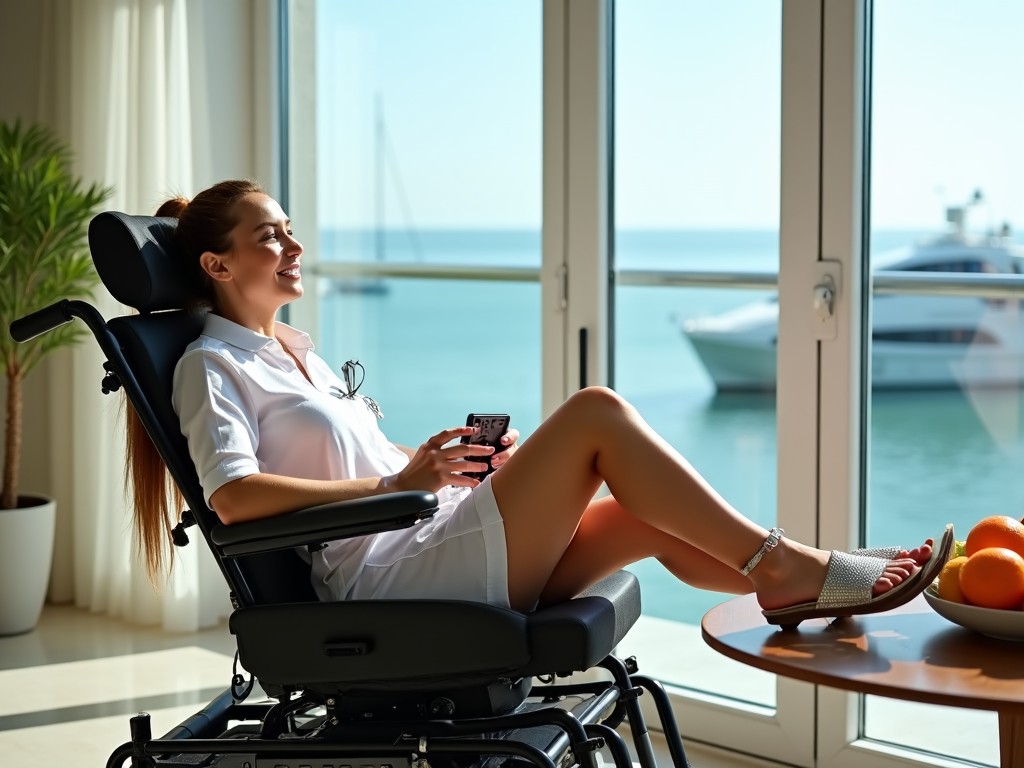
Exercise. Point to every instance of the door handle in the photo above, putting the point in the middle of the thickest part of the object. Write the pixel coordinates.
(827, 287)
(823, 295)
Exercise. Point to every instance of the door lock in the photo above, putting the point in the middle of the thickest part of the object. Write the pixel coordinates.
(823, 295)
(827, 284)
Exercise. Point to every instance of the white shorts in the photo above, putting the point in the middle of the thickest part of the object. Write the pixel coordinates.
(459, 554)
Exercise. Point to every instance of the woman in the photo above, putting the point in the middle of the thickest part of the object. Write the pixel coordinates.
(271, 429)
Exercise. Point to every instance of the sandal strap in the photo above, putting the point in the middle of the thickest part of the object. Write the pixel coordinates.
(774, 537)
(849, 579)
(889, 553)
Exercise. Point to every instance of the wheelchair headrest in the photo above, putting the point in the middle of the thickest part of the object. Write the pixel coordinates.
(136, 258)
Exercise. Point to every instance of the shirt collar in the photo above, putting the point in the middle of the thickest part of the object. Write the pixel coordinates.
(236, 335)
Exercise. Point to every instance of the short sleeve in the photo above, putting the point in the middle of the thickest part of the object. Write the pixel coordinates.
(217, 418)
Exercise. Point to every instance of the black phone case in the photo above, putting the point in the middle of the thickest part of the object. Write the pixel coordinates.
(492, 427)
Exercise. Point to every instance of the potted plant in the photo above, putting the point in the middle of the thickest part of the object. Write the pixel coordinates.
(45, 212)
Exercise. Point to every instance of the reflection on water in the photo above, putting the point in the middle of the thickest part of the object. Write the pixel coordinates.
(940, 457)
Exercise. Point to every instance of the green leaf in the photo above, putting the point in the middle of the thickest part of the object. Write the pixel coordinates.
(45, 212)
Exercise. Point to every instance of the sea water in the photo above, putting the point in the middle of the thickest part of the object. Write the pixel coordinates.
(434, 350)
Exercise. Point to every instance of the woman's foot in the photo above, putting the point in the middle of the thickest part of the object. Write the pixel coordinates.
(793, 573)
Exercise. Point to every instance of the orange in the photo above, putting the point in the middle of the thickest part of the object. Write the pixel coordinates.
(996, 531)
(949, 580)
(994, 578)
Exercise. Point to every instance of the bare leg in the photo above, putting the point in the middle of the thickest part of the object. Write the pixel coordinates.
(545, 490)
(609, 538)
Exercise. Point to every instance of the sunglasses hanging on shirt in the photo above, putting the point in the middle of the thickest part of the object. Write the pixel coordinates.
(353, 373)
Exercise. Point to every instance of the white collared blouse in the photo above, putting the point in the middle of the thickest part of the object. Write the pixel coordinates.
(245, 407)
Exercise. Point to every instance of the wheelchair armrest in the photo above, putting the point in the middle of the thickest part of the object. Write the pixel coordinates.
(326, 522)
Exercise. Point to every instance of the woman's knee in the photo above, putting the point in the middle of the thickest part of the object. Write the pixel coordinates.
(596, 401)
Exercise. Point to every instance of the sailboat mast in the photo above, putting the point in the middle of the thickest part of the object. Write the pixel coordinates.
(379, 190)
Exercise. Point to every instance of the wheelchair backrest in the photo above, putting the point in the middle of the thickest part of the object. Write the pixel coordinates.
(136, 259)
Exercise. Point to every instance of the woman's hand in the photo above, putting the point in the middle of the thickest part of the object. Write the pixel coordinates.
(511, 442)
(436, 464)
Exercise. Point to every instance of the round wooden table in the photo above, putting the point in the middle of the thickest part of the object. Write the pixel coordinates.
(908, 653)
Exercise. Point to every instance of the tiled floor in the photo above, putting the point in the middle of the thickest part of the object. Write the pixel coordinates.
(70, 686)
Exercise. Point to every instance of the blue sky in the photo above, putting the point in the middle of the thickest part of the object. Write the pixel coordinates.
(948, 109)
(697, 123)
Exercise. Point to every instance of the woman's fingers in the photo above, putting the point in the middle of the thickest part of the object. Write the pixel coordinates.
(452, 472)
(446, 436)
(509, 443)
(470, 466)
(463, 481)
(448, 463)
(462, 450)
(468, 458)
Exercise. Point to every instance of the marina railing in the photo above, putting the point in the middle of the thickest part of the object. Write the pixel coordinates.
(992, 286)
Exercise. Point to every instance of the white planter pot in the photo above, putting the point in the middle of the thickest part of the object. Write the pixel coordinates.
(26, 552)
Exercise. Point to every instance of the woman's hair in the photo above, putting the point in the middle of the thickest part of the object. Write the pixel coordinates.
(204, 224)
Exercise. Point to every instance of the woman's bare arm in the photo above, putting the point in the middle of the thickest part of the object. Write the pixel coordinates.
(263, 495)
(431, 466)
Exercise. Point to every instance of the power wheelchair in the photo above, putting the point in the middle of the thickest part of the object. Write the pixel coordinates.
(360, 683)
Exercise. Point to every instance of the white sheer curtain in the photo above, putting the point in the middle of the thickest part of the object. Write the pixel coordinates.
(119, 74)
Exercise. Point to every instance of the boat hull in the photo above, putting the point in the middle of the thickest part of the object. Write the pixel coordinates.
(920, 340)
(739, 366)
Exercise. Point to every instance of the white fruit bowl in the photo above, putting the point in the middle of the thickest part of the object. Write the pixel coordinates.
(1003, 625)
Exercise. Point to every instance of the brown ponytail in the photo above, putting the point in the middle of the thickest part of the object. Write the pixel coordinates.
(172, 208)
(204, 224)
(154, 496)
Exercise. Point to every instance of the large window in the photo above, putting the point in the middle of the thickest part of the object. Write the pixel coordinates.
(428, 169)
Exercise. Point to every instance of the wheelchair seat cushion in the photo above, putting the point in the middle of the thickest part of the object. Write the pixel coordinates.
(380, 644)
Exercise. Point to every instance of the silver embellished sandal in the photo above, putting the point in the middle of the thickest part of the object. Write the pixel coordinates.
(886, 553)
(849, 581)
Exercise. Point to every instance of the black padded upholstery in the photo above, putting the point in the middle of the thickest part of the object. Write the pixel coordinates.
(134, 258)
(398, 641)
(577, 634)
(398, 636)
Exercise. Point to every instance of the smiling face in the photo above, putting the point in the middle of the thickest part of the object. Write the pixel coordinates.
(260, 272)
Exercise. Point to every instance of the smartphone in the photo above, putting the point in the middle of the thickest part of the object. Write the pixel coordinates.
(492, 426)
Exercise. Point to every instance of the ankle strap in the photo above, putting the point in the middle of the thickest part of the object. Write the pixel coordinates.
(774, 537)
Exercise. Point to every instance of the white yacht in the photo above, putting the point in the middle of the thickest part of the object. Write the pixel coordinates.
(918, 341)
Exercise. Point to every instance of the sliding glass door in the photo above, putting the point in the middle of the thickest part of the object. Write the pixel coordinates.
(506, 201)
